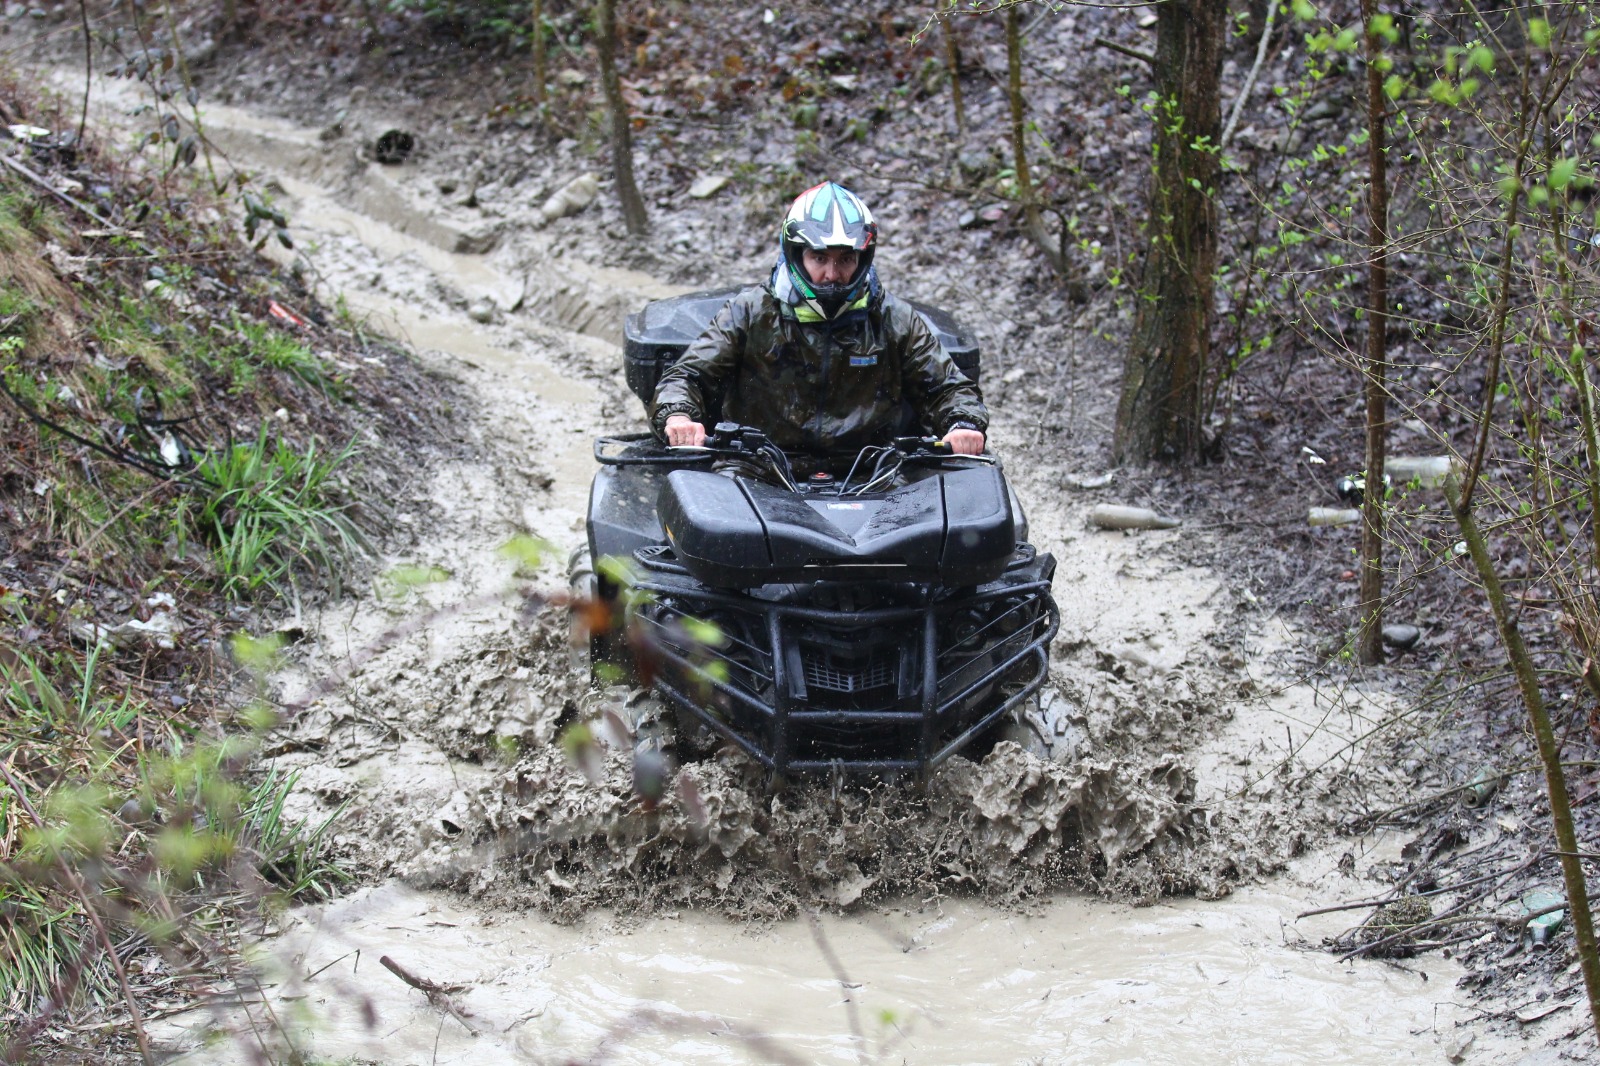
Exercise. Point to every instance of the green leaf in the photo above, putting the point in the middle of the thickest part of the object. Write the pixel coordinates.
(703, 632)
(1393, 86)
(1482, 58)
(255, 653)
(527, 552)
(1303, 9)
(1561, 173)
(1539, 32)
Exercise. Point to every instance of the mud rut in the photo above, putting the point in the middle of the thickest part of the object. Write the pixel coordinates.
(990, 918)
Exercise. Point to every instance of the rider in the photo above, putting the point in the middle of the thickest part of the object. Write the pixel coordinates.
(821, 358)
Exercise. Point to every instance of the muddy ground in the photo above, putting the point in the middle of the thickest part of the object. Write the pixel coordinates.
(1211, 744)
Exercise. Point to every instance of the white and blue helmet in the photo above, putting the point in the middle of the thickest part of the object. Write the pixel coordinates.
(823, 217)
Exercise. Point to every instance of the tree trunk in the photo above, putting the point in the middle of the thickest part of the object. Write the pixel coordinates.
(952, 60)
(1369, 641)
(1032, 222)
(1555, 779)
(541, 73)
(1159, 416)
(633, 212)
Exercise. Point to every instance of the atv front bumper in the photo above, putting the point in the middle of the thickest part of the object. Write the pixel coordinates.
(896, 687)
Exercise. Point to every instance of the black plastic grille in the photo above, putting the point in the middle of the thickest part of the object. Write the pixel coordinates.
(832, 672)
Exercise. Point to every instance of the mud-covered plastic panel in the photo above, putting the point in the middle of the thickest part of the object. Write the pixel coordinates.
(654, 338)
(622, 510)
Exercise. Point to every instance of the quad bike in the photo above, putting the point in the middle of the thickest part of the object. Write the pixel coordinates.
(877, 621)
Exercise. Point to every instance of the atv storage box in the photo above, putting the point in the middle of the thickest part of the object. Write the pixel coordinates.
(654, 338)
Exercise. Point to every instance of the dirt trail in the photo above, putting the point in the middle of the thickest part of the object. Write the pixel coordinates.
(1181, 729)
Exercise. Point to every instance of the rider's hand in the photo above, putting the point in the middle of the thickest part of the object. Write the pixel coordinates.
(961, 441)
(681, 429)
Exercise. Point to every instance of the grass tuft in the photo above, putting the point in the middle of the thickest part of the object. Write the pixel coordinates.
(271, 511)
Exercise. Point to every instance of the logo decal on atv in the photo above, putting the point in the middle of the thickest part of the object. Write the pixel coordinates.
(863, 360)
(845, 506)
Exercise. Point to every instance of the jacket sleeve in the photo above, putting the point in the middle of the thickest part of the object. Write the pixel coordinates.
(704, 366)
(938, 390)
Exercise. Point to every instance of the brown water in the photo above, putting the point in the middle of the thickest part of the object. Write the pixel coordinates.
(953, 982)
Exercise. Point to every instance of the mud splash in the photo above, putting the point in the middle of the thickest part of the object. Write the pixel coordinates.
(1009, 827)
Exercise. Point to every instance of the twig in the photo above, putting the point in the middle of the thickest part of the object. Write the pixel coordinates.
(1250, 81)
(438, 994)
(1131, 53)
(839, 973)
(88, 71)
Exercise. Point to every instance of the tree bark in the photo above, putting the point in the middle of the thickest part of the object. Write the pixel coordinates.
(541, 73)
(1159, 415)
(1555, 779)
(952, 60)
(633, 213)
(1369, 640)
(1032, 222)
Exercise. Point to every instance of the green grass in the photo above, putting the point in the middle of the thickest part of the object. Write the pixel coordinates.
(277, 349)
(181, 805)
(270, 512)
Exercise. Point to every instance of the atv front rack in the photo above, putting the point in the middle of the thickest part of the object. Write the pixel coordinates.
(885, 690)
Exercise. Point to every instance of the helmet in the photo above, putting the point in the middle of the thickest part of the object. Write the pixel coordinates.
(828, 216)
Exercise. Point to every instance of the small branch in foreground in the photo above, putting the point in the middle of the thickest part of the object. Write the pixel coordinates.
(438, 994)
(1131, 53)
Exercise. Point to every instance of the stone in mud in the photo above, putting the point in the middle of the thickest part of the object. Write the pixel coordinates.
(708, 186)
(571, 198)
(1401, 637)
(1117, 516)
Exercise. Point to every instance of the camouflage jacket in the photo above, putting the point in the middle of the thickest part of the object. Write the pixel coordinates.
(825, 388)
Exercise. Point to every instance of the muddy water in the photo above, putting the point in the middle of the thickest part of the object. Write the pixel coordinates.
(1084, 982)
(1075, 980)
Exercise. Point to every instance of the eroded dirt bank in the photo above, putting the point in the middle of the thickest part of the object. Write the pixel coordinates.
(1194, 760)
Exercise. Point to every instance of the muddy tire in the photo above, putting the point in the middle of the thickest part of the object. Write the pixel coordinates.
(1046, 724)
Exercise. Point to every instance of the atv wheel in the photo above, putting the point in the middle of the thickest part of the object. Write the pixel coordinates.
(1043, 724)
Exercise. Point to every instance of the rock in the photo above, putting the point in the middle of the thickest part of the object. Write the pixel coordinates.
(1116, 516)
(993, 213)
(968, 220)
(1401, 637)
(1333, 516)
(1429, 471)
(571, 198)
(1456, 1050)
(572, 79)
(482, 311)
(708, 185)
(975, 164)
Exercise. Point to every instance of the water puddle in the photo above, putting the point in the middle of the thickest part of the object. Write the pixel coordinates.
(1083, 982)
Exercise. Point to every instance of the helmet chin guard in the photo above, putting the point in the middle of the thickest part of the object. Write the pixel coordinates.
(823, 217)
